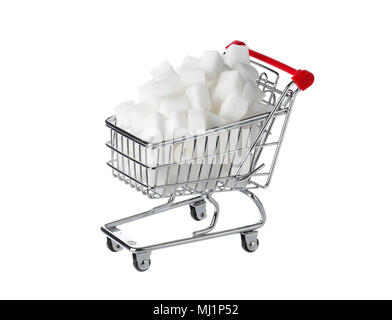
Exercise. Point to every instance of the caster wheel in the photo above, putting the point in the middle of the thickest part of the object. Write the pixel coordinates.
(198, 210)
(141, 261)
(249, 241)
(113, 246)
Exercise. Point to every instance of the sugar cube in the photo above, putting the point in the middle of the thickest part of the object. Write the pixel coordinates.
(154, 127)
(192, 76)
(175, 122)
(197, 120)
(123, 107)
(258, 108)
(225, 67)
(248, 72)
(216, 101)
(210, 84)
(230, 82)
(182, 133)
(214, 120)
(252, 92)
(212, 63)
(120, 111)
(151, 135)
(190, 62)
(163, 71)
(198, 97)
(135, 116)
(153, 90)
(236, 54)
(233, 108)
(173, 103)
(184, 150)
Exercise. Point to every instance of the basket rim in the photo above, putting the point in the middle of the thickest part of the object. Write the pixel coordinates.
(110, 122)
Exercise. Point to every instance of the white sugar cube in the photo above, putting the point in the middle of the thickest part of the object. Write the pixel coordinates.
(216, 101)
(212, 63)
(184, 150)
(163, 71)
(173, 103)
(230, 82)
(120, 111)
(182, 133)
(123, 107)
(236, 54)
(233, 108)
(225, 67)
(152, 91)
(175, 122)
(154, 120)
(135, 116)
(188, 149)
(258, 108)
(197, 120)
(214, 120)
(210, 84)
(151, 135)
(194, 147)
(190, 62)
(192, 76)
(248, 72)
(154, 127)
(252, 92)
(198, 97)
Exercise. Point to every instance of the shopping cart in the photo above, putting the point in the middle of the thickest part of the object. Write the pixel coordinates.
(221, 159)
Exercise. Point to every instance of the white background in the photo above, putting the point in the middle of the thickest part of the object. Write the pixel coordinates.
(64, 66)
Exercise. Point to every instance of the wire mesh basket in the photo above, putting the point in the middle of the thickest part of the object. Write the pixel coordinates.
(217, 160)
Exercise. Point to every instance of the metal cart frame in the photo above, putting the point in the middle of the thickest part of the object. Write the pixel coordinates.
(222, 159)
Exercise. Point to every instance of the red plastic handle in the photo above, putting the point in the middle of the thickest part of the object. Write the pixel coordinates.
(302, 78)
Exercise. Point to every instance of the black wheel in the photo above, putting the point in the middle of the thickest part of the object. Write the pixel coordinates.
(112, 246)
(249, 246)
(198, 210)
(141, 265)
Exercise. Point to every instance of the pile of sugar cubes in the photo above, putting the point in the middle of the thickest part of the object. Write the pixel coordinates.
(206, 92)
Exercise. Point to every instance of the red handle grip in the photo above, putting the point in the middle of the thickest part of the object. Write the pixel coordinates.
(302, 78)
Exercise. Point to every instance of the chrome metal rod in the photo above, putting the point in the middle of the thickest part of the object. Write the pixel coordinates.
(116, 235)
(167, 206)
(213, 220)
(202, 237)
(266, 122)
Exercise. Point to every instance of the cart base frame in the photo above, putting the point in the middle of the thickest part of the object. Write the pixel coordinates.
(117, 240)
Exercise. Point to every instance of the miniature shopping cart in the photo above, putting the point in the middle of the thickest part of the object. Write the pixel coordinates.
(222, 159)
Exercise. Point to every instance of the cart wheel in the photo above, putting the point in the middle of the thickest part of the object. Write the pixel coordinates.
(141, 260)
(198, 210)
(113, 246)
(249, 241)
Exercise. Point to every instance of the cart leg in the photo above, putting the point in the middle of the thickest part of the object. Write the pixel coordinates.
(141, 260)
